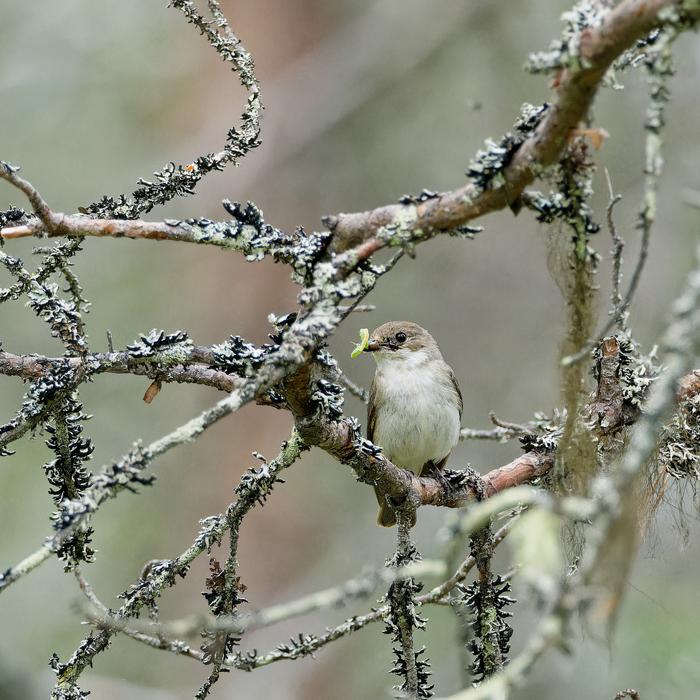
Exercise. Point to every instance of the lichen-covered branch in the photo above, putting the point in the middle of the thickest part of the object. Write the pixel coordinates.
(578, 80)
(254, 487)
(126, 473)
(181, 180)
(485, 599)
(577, 466)
(681, 343)
(401, 619)
(179, 365)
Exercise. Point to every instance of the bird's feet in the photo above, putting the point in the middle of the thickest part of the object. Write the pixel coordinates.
(436, 473)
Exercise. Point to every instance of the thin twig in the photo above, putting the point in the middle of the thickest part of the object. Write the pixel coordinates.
(445, 588)
(616, 310)
(497, 434)
(355, 389)
(41, 208)
(181, 366)
(122, 475)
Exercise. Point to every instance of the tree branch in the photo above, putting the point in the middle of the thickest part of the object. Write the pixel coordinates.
(576, 88)
(681, 342)
(334, 272)
(167, 367)
(400, 224)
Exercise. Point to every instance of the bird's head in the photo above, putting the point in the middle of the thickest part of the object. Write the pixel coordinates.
(402, 341)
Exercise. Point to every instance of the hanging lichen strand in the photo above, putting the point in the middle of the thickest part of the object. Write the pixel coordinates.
(577, 458)
(572, 263)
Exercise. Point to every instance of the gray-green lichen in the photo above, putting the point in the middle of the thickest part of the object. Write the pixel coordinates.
(486, 168)
(565, 52)
(679, 453)
(402, 229)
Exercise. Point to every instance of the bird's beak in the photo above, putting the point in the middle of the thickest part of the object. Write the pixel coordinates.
(372, 345)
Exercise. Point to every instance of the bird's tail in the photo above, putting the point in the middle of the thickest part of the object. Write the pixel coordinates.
(386, 516)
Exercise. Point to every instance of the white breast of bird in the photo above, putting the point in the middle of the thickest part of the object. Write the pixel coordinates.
(418, 420)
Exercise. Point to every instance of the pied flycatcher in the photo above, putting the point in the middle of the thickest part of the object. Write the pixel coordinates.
(415, 406)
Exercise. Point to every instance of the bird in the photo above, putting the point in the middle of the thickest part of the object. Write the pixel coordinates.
(415, 406)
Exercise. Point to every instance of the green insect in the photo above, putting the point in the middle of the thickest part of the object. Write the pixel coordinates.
(364, 340)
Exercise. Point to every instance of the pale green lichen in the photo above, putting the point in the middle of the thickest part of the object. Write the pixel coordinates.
(401, 230)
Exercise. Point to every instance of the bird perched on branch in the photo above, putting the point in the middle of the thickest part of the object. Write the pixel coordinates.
(415, 405)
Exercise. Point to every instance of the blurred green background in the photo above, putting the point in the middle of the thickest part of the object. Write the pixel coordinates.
(366, 100)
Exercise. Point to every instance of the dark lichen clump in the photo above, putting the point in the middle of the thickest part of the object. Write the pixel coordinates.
(486, 169)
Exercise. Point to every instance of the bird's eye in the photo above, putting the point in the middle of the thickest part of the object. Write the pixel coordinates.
(401, 337)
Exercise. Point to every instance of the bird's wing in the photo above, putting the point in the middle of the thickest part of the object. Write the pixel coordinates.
(455, 386)
(372, 410)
